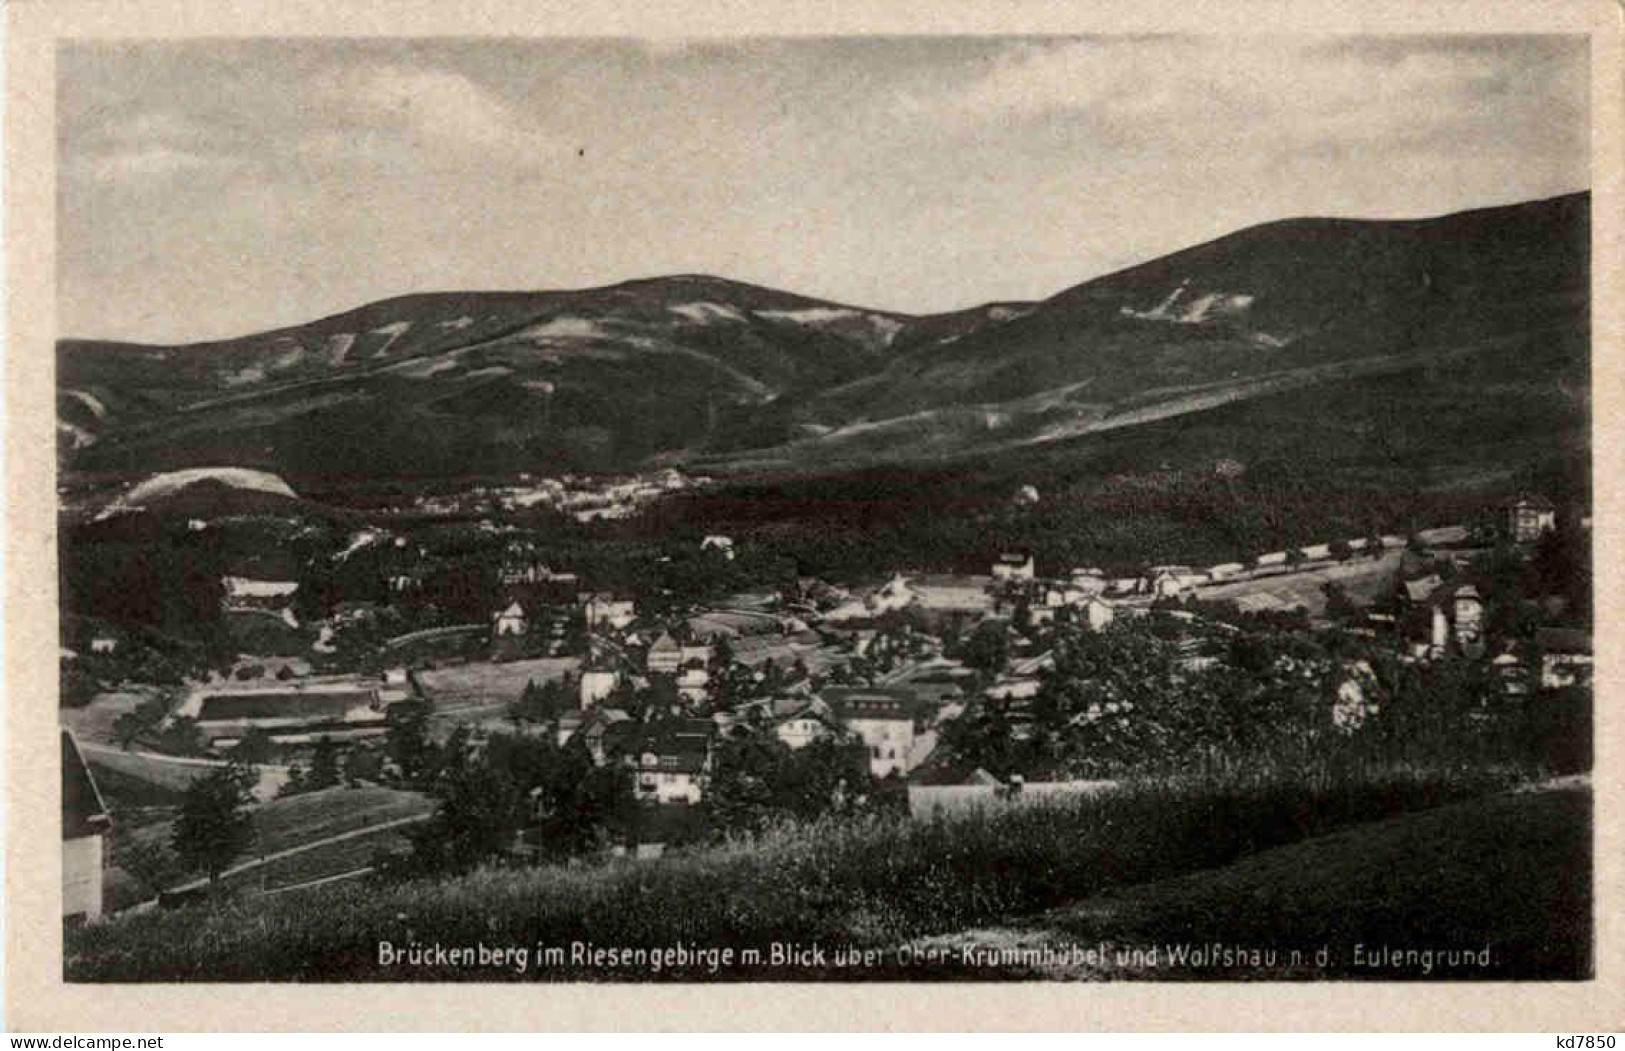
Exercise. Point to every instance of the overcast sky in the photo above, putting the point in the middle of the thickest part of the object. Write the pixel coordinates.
(217, 188)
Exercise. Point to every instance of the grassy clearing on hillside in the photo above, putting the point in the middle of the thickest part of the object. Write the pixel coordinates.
(319, 861)
(286, 823)
(1437, 444)
(124, 789)
(164, 778)
(491, 682)
(873, 883)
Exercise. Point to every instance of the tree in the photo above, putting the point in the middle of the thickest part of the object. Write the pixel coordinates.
(146, 717)
(295, 783)
(362, 764)
(1338, 603)
(324, 766)
(128, 727)
(982, 736)
(741, 792)
(540, 705)
(406, 740)
(150, 861)
(254, 748)
(214, 825)
(988, 648)
(477, 817)
(181, 737)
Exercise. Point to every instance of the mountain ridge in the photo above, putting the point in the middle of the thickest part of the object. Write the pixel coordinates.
(693, 366)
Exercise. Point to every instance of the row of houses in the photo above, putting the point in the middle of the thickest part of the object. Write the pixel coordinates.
(339, 708)
(671, 759)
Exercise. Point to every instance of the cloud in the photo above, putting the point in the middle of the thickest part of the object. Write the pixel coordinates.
(142, 162)
(429, 108)
(148, 145)
(1279, 91)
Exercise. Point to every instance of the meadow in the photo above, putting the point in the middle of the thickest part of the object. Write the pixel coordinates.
(873, 882)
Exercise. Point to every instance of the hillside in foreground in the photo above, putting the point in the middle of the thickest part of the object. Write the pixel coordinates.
(1509, 874)
(1373, 860)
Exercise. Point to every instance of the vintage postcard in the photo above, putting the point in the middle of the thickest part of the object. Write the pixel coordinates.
(975, 507)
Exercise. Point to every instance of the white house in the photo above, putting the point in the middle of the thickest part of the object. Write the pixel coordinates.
(1469, 617)
(1565, 657)
(1166, 585)
(510, 621)
(1014, 688)
(799, 722)
(885, 723)
(605, 610)
(103, 644)
(1098, 615)
(722, 545)
(694, 684)
(596, 684)
(1013, 566)
(672, 765)
(1082, 585)
(242, 589)
(1530, 517)
(665, 656)
(85, 824)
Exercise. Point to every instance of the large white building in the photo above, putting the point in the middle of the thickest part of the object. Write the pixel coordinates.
(884, 720)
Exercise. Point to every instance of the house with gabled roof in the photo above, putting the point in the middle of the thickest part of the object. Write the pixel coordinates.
(799, 721)
(1565, 657)
(1530, 517)
(665, 656)
(671, 761)
(1013, 565)
(1421, 589)
(606, 610)
(885, 719)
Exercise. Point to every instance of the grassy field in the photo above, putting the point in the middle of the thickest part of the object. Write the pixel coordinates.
(319, 861)
(873, 883)
(285, 823)
(93, 723)
(1511, 873)
(304, 824)
(1364, 579)
(163, 777)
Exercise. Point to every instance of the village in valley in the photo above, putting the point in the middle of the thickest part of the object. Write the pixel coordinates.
(433, 691)
(987, 507)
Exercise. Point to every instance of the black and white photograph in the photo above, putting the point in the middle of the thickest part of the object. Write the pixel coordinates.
(905, 508)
